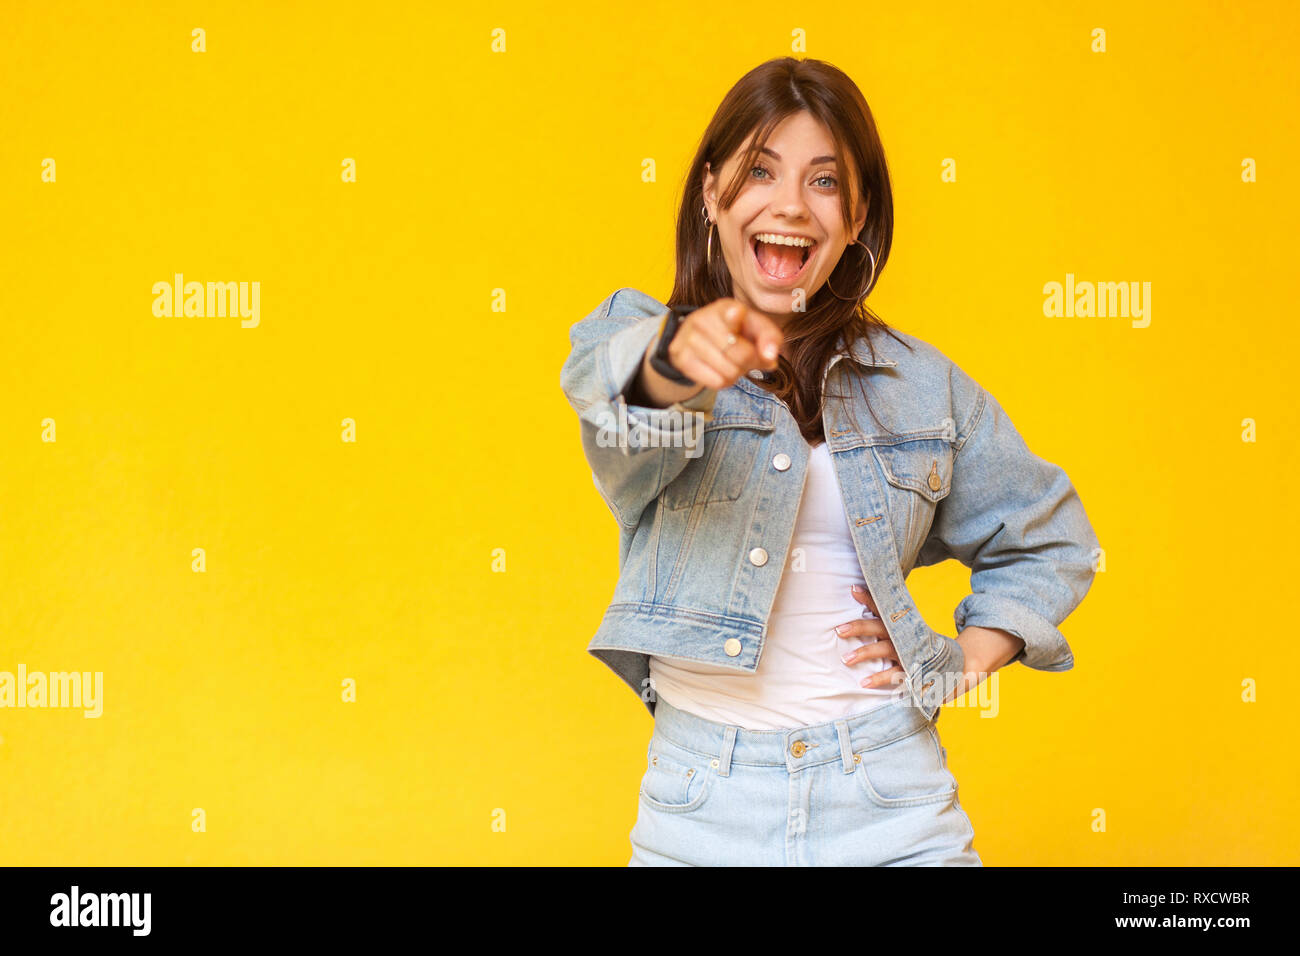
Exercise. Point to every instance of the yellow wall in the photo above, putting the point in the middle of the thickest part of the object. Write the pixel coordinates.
(521, 171)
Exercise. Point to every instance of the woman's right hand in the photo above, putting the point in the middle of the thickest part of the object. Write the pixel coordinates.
(714, 346)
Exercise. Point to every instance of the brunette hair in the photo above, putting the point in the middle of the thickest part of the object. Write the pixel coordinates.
(758, 103)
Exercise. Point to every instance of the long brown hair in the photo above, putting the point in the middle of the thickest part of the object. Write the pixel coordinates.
(759, 101)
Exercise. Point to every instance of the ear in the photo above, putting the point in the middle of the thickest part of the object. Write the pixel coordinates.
(710, 187)
(861, 219)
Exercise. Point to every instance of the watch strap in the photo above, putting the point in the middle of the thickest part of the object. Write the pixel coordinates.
(659, 360)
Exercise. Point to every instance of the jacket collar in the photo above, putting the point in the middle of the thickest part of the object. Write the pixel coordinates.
(859, 351)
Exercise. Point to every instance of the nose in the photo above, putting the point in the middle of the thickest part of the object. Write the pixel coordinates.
(789, 199)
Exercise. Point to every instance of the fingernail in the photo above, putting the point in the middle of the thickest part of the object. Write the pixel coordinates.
(868, 681)
(858, 589)
(848, 658)
(769, 350)
(841, 629)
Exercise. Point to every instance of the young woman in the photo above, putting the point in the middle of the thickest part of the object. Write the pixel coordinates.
(778, 460)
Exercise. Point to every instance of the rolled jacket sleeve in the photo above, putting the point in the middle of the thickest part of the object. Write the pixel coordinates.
(1018, 523)
(634, 450)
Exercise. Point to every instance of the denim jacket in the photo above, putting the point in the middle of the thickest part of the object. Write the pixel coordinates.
(706, 493)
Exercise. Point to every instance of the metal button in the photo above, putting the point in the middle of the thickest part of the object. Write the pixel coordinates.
(797, 748)
(935, 481)
(781, 462)
(758, 557)
(732, 647)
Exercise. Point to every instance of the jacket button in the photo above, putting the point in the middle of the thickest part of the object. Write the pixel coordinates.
(732, 647)
(781, 462)
(935, 481)
(758, 557)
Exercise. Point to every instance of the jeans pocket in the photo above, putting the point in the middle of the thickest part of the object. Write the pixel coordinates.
(676, 780)
(907, 772)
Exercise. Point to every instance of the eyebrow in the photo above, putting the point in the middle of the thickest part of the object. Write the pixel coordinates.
(815, 161)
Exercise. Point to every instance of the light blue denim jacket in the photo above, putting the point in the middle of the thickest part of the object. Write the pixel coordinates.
(705, 494)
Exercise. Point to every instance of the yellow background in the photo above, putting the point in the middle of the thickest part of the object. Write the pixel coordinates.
(522, 171)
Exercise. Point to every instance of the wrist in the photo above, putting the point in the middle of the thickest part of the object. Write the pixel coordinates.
(988, 649)
(657, 355)
(657, 391)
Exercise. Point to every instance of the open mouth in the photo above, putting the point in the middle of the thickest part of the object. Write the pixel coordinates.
(780, 263)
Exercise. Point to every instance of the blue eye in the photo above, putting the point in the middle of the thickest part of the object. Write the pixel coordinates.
(831, 181)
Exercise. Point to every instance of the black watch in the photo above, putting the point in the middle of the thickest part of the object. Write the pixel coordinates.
(659, 358)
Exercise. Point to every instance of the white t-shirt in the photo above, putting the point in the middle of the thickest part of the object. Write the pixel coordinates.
(800, 678)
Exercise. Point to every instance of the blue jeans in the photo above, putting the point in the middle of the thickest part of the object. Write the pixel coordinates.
(872, 789)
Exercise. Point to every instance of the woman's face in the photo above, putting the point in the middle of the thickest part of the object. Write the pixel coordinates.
(792, 190)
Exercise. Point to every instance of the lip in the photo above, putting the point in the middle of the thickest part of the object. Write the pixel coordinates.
(773, 280)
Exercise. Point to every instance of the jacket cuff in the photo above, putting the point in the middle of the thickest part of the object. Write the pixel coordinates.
(623, 352)
(1045, 646)
(703, 402)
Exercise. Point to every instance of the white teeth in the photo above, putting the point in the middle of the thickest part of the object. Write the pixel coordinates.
(779, 240)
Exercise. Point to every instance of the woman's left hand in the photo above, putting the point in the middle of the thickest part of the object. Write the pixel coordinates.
(883, 648)
(986, 649)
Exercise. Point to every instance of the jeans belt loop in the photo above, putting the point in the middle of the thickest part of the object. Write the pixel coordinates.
(846, 745)
(728, 745)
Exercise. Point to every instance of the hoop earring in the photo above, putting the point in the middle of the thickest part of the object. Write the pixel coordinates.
(870, 279)
(708, 257)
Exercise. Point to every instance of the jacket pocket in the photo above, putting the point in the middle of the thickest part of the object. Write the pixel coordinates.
(721, 471)
(907, 772)
(921, 471)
